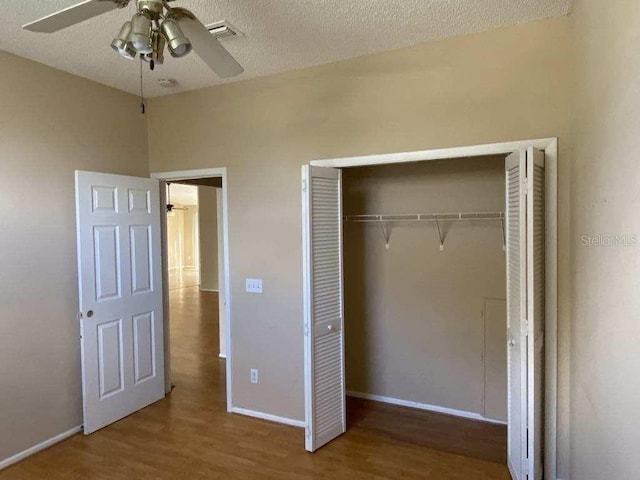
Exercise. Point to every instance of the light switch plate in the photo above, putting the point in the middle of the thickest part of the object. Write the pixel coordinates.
(254, 285)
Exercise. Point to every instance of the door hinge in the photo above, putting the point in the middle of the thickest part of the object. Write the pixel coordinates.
(306, 330)
(525, 467)
(304, 185)
(307, 431)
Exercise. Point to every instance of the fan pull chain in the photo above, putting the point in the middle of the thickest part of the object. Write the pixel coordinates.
(142, 105)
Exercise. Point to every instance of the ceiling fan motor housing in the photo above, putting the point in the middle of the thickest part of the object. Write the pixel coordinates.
(152, 8)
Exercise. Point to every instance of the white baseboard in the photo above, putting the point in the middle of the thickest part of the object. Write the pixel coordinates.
(424, 406)
(41, 446)
(223, 355)
(209, 290)
(269, 417)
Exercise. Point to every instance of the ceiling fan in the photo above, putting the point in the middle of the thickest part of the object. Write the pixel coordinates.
(154, 26)
(171, 208)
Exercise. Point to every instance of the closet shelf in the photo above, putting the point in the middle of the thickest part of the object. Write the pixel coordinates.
(385, 219)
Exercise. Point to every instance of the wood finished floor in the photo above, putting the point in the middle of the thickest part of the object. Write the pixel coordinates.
(189, 435)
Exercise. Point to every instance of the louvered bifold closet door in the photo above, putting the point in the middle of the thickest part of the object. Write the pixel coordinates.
(535, 308)
(324, 349)
(516, 309)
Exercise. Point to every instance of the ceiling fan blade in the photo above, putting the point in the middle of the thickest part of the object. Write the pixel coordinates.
(209, 48)
(72, 15)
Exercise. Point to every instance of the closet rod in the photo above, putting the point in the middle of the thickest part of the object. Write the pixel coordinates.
(385, 219)
(425, 217)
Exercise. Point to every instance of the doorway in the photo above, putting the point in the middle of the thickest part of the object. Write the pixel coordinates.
(210, 298)
(324, 305)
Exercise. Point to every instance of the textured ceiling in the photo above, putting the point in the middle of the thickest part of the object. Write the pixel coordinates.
(184, 194)
(280, 35)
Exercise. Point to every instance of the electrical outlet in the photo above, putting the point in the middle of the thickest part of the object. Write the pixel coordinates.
(254, 375)
(254, 285)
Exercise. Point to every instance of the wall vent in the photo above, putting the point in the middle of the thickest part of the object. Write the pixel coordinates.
(223, 29)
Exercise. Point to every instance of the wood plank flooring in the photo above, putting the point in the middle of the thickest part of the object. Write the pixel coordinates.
(189, 435)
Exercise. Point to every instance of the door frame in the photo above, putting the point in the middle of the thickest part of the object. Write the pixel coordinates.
(176, 176)
(550, 148)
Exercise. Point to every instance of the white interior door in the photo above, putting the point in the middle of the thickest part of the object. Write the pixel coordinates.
(323, 306)
(535, 308)
(120, 292)
(525, 311)
(516, 310)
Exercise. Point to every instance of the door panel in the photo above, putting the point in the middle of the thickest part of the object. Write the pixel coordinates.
(107, 262)
(104, 199)
(110, 357)
(120, 293)
(139, 201)
(144, 347)
(324, 343)
(141, 260)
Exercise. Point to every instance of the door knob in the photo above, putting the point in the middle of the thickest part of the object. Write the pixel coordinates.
(90, 313)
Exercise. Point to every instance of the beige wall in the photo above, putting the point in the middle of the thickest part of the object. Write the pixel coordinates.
(508, 84)
(175, 238)
(413, 324)
(51, 123)
(605, 391)
(191, 245)
(208, 215)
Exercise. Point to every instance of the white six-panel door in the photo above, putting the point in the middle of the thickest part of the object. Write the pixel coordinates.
(525, 311)
(323, 304)
(120, 293)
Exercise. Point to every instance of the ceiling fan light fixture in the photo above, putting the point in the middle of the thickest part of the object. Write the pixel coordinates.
(179, 44)
(140, 37)
(121, 43)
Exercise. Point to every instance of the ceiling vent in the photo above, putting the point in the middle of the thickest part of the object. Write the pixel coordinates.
(223, 29)
(168, 82)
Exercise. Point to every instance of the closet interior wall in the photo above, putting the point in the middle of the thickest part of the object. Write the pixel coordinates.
(413, 313)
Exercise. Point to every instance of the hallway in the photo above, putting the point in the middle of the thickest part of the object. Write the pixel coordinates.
(189, 435)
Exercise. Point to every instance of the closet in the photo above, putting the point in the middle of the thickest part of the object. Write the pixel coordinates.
(423, 251)
(424, 287)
